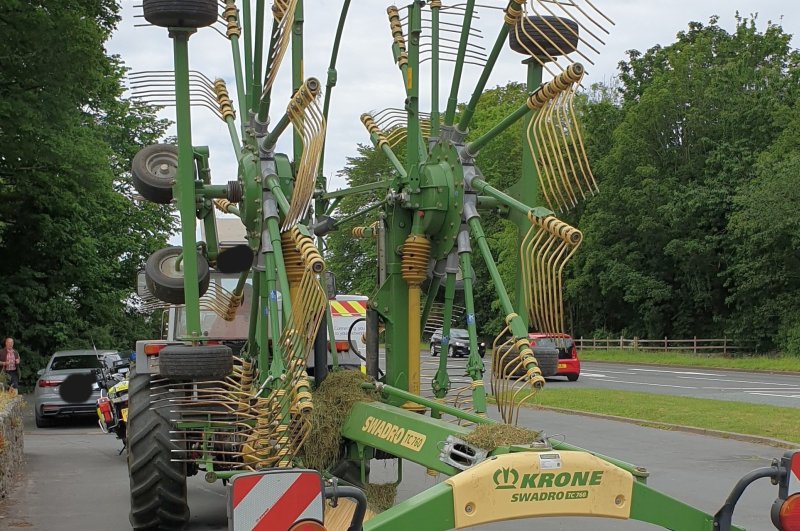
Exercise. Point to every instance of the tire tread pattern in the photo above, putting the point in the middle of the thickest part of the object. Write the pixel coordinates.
(183, 362)
(158, 485)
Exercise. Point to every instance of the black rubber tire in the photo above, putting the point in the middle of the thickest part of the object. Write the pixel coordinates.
(180, 13)
(201, 362)
(169, 287)
(158, 485)
(548, 361)
(573, 377)
(43, 422)
(154, 168)
(536, 33)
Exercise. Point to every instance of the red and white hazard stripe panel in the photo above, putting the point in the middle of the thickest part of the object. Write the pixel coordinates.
(794, 474)
(274, 500)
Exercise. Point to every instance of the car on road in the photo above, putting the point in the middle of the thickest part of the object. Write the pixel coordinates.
(569, 364)
(51, 402)
(459, 343)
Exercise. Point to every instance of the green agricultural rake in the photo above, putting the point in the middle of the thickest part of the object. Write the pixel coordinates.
(208, 410)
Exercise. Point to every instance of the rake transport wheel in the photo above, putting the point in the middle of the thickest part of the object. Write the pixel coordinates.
(547, 359)
(158, 485)
(154, 170)
(165, 281)
(545, 36)
(200, 362)
(180, 13)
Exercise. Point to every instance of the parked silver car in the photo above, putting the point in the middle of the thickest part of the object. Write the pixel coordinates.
(51, 401)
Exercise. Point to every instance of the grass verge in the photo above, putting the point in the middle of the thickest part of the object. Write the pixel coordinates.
(751, 419)
(753, 362)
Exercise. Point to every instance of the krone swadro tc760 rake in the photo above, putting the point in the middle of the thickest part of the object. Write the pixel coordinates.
(242, 387)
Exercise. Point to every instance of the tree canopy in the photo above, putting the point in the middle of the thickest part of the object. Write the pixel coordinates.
(671, 240)
(71, 238)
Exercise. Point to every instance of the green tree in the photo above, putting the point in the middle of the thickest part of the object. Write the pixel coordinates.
(71, 239)
(353, 260)
(694, 116)
(765, 231)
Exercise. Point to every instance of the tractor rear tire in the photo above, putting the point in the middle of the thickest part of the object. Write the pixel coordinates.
(180, 13)
(201, 362)
(166, 284)
(158, 485)
(154, 170)
(544, 36)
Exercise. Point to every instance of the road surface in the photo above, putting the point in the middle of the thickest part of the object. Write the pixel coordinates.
(757, 388)
(76, 481)
(753, 387)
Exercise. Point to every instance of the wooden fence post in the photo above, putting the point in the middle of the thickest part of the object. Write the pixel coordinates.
(635, 343)
(666, 344)
(695, 345)
(724, 346)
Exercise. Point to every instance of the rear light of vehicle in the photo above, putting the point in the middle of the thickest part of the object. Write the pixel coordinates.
(342, 346)
(153, 348)
(789, 513)
(104, 409)
(49, 383)
(533, 342)
(574, 352)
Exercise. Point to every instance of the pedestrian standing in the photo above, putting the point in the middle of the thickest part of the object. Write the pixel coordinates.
(9, 358)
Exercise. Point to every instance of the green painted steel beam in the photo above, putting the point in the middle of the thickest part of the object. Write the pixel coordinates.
(360, 189)
(402, 433)
(506, 200)
(431, 510)
(649, 505)
(185, 184)
(525, 190)
(452, 100)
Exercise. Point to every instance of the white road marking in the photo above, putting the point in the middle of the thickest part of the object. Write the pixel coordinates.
(773, 394)
(676, 372)
(737, 381)
(747, 389)
(593, 375)
(651, 384)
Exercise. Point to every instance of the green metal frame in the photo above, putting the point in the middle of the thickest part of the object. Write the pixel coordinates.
(433, 195)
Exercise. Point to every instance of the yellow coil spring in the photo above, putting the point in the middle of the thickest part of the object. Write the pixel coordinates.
(231, 16)
(373, 129)
(396, 27)
(513, 13)
(223, 205)
(560, 83)
(223, 99)
(416, 252)
(292, 259)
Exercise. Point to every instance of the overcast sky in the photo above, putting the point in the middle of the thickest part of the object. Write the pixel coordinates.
(368, 79)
